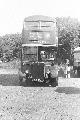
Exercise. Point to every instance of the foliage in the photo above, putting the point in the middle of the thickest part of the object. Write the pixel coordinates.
(68, 30)
(68, 36)
(10, 45)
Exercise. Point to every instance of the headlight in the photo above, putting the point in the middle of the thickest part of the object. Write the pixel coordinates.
(27, 71)
(48, 71)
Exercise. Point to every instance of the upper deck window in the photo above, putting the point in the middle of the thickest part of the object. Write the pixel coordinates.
(39, 25)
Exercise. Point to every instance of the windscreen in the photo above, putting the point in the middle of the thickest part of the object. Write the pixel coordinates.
(47, 53)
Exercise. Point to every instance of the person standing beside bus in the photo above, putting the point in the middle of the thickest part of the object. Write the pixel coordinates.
(67, 69)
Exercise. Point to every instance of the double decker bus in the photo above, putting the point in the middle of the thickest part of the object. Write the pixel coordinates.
(39, 51)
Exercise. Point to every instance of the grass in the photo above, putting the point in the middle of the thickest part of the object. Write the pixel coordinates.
(9, 80)
(15, 64)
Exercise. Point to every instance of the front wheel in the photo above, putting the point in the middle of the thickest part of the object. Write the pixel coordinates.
(54, 82)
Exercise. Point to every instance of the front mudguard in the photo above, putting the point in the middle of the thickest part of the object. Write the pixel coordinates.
(51, 82)
(22, 76)
(54, 82)
(24, 81)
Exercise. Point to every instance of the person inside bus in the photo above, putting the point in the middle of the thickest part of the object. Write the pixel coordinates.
(43, 55)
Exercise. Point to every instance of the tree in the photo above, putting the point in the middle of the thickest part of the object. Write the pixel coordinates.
(68, 36)
(10, 43)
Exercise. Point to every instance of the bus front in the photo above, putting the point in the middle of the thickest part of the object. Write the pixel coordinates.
(39, 49)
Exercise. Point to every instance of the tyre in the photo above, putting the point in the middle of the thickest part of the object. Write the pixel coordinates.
(54, 82)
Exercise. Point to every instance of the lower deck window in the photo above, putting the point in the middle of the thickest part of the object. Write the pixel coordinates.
(29, 53)
(38, 53)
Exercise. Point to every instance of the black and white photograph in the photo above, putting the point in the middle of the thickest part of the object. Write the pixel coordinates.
(39, 60)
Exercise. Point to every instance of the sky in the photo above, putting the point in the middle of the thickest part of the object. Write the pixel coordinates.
(13, 12)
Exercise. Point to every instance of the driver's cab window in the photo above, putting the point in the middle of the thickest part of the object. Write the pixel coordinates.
(46, 53)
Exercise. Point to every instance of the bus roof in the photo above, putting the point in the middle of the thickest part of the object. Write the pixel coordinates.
(38, 18)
